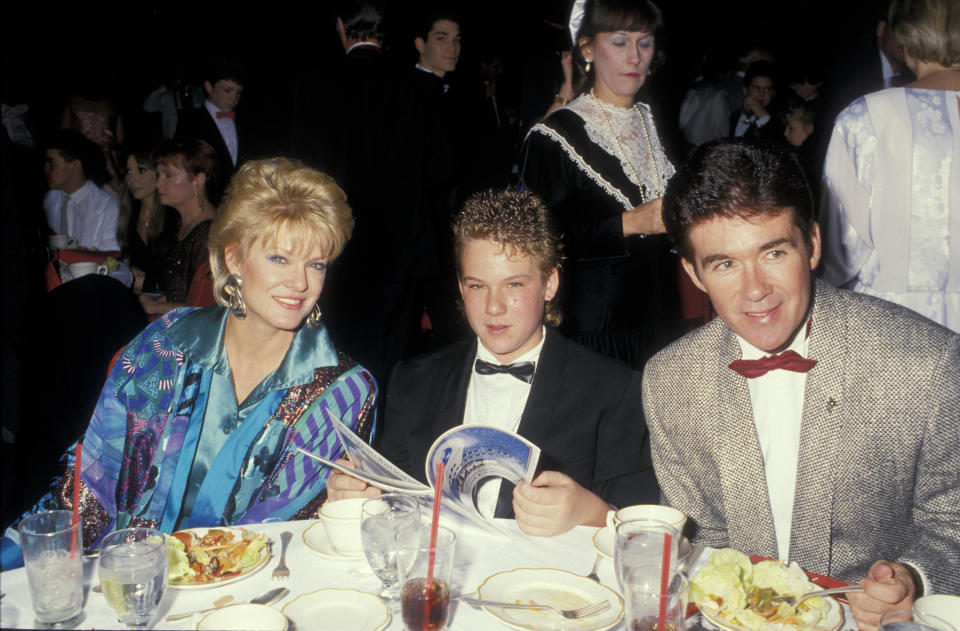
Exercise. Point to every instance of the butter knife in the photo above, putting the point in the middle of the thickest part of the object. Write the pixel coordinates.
(264, 599)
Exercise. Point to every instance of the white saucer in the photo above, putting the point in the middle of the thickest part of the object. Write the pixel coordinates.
(315, 537)
(604, 537)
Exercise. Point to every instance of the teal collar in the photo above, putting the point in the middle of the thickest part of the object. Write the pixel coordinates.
(199, 335)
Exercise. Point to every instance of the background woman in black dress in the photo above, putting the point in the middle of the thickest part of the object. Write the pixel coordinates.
(599, 164)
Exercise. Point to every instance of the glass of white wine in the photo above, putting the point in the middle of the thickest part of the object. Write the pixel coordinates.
(133, 573)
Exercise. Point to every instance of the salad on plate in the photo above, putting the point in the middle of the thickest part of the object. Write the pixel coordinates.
(730, 589)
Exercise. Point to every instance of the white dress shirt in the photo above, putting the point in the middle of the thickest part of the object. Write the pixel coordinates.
(499, 400)
(228, 130)
(777, 399)
(743, 123)
(92, 215)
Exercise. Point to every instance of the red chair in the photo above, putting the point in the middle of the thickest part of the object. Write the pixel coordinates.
(200, 293)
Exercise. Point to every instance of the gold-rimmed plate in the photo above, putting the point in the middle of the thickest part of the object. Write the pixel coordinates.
(337, 609)
(548, 586)
(217, 582)
(832, 622)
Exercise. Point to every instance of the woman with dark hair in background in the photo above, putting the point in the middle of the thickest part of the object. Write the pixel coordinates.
(600, 166)
(146, 228)
(184, 167)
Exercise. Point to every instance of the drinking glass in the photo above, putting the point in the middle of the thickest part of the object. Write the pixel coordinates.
(638, 553)
(424, 607)
(647, 608)
(53, 556)
(909, 620)
(133, 573)
(381, 518)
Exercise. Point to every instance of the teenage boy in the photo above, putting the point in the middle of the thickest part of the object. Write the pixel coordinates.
(217, 123)
(581, 409)
(805, 423)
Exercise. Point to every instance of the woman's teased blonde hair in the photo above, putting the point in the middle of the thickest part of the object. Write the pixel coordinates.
(274, 197)
(928, 29)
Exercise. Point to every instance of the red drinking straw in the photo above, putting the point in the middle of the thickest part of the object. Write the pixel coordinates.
(664, 580)
(434, 525)
(76, 495)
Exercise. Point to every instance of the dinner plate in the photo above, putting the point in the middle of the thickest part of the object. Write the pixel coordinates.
(603, 540)
(337, 609)
(315, 538)
(833, 621)
(558, 588)
(244, 573)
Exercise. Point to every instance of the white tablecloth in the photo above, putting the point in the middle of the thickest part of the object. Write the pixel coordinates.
(478, 555)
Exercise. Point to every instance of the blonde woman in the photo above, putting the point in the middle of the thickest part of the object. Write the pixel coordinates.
(200, 419)
(891, 213)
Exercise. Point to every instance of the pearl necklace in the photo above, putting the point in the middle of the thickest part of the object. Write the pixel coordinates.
(646, 135)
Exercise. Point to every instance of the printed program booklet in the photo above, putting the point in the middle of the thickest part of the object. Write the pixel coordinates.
(474, 455)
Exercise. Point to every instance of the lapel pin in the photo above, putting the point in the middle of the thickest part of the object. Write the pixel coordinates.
(831, 404)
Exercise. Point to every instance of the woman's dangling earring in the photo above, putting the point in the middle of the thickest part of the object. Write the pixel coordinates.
(200, 202)
(234, 288)
(589, 65)
(313, 320)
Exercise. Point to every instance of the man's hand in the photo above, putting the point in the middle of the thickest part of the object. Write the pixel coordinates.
(752, 104)
(341, 486)
(554, 503)
(887, 587)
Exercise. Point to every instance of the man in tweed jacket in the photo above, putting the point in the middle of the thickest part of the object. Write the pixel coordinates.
(833, 464)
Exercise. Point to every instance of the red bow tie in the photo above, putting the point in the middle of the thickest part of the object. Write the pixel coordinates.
(787, 360)
(226, 114)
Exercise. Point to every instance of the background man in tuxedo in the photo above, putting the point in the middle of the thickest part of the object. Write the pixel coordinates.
(75, 205)
(757, 118)
(839, 449)
(581, 409)
(216, 122)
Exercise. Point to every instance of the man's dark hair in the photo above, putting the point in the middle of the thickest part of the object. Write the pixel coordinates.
(73, 145)
(223, 70)
(760, 68)
(736, 177)
(361, 20)
(431, 16)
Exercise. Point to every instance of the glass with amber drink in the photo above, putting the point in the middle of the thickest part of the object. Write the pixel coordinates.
(424, 606)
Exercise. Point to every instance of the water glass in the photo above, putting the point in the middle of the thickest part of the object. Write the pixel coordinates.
(381, 518)
(53, 556)
(650, 610)
(638, 553)
(909, 620)
(133, 573)
(423, 606)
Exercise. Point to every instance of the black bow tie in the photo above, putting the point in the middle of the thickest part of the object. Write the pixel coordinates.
(521, 370)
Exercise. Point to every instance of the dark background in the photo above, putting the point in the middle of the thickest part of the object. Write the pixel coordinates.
(50, 48)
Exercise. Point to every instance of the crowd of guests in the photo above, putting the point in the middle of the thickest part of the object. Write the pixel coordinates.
(804, 421)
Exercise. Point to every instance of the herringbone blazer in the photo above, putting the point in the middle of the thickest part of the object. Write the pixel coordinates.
(878, 475)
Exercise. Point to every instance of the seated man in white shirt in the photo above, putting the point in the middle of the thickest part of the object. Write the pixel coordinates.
(805, 422)
(518, 373)
(75, 206)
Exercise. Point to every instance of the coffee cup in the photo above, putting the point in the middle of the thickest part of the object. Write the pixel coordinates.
(341, 520)
(667, 514)
(83, 268)
(58, 241)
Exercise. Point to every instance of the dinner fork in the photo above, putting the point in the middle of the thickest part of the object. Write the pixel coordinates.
(282, 571)
(794, 600)
(574, 614)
